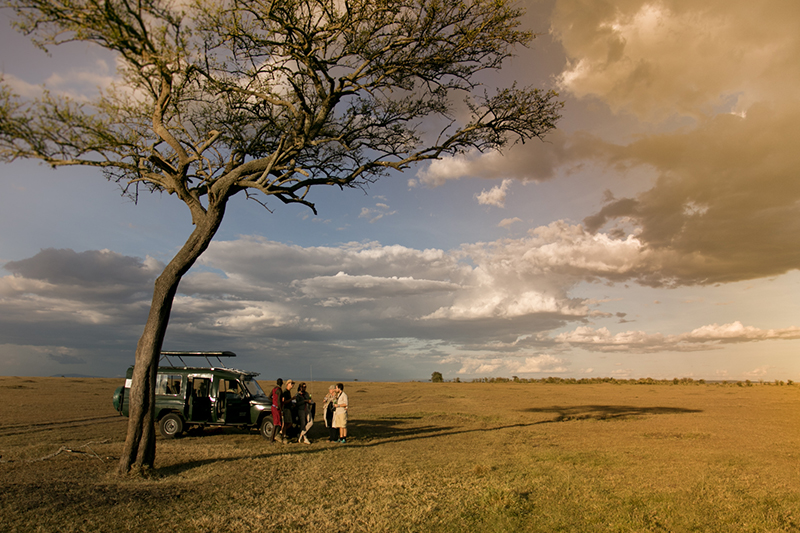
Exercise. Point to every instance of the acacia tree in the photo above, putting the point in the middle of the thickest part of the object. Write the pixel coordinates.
(267, 98)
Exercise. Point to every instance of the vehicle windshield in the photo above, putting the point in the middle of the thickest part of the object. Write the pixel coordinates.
(253, 388)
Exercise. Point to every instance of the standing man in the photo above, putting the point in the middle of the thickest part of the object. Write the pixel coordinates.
(277, 409)
(340, 415)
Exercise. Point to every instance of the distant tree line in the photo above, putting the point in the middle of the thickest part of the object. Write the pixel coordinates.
(639, 381)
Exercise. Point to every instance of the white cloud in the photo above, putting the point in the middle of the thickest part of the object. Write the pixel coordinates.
(703, 338)
(507, 222)
(489, 302)
(21, 87)
(494, 304)
(736, 332)
(533, 161)
(381, 210)
(758, 373)
(495, 196)
(366, 287)
(564, 254)
(507, 366)
(77, 84)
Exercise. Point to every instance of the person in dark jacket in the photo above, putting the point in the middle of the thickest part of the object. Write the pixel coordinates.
(305, 412)
(329, 406)
(288, 411)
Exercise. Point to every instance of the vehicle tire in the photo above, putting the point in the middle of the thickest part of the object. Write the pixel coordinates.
(171, 426)
(266, 427)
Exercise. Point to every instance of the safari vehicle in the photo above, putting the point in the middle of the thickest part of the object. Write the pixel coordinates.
(198, 396)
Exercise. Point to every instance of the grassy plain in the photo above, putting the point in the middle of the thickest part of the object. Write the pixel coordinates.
(422, 457)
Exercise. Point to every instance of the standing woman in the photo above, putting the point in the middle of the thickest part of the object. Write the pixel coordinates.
(305, 407)
(340, 416)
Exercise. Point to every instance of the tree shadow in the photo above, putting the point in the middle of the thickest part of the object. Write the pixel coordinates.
(392, 430)
(362, 433)
(606, 412)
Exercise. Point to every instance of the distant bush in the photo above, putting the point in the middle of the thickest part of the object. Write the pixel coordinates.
(436, 377)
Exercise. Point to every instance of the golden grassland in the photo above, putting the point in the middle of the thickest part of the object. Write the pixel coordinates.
(421, 457)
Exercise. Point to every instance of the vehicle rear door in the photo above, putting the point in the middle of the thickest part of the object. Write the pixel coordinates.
(199, 397)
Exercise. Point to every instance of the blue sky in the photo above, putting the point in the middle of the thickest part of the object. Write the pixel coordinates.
(654, 234)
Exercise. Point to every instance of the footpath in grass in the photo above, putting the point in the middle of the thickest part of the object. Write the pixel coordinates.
(422, 457)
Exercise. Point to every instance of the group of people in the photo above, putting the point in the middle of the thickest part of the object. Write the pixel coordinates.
(284, 405)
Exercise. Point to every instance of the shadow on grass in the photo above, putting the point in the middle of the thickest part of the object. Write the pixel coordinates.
(606, 412)
(391, 430)
(564, 414)
(59, 495)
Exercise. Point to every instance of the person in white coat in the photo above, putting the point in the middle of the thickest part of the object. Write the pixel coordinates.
(340, 415)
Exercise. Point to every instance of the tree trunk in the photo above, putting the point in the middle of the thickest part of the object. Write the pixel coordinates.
(139, 452)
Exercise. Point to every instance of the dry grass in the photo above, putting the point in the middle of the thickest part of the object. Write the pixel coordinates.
(422, 457)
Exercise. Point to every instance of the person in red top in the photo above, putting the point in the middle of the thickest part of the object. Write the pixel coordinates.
(277, 410)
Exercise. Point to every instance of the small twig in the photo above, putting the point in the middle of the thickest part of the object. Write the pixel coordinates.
(71, 450)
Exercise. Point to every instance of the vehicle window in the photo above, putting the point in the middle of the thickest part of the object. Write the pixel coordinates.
(168, 384)
(253, 387)
(230, 386)
(200, 386)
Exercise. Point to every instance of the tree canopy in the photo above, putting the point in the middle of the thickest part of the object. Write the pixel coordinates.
(267, 98)
(216, 98)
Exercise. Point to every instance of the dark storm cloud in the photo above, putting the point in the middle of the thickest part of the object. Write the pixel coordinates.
(68, 298)
(66, 359)
(720, 134)
(89, 268)
(726, 203)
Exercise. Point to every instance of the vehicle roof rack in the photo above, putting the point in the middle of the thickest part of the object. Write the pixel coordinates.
(205, 355)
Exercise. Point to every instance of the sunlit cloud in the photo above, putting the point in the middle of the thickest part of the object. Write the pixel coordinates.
(704, 338)
(724, 206)
(660, 58)
(495, 196)
(758, 373)
(376, 213)
(365, 287)
(508, 222)
(506, 366)
(534, 161)
(76, 84)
